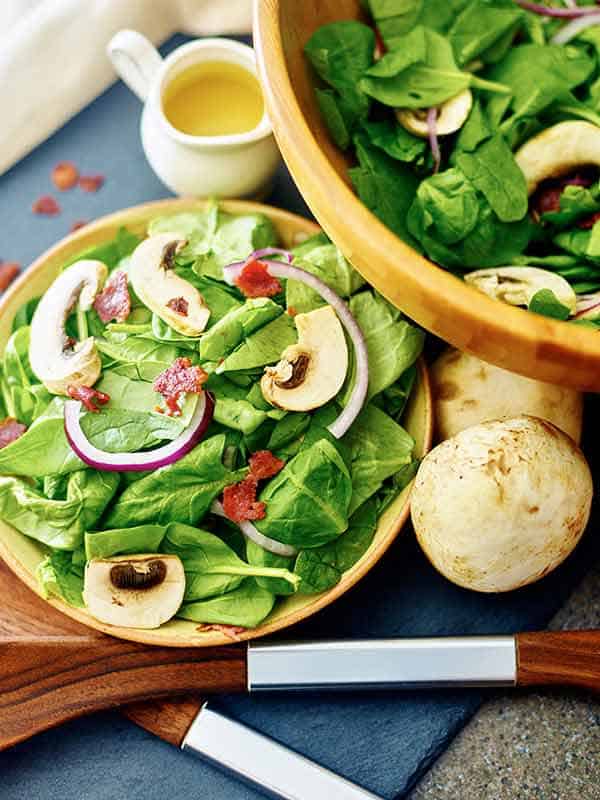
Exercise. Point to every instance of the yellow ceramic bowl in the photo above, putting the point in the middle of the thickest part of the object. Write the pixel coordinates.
(23, 555)
(510, 337)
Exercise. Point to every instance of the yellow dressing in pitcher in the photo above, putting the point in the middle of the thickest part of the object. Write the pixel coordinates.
(214, 98)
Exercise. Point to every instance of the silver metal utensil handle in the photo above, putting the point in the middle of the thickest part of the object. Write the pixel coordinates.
(264, 763)
(383, 663)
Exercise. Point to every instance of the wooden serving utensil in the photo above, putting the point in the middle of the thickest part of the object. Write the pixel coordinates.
(53, 669)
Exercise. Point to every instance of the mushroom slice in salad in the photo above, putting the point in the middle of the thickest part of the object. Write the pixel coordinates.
(518, 285)
(311, 372)
(451, 116)
(155, 282)
(140, 591)
(56, 359)
(559, 150)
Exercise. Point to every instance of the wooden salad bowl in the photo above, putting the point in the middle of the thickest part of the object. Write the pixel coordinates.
(23, 555)
(512, 338)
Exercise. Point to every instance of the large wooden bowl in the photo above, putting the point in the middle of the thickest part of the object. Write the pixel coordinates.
(23, 555)
(512, 338)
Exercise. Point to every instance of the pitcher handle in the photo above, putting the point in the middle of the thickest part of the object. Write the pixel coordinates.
(136, 60)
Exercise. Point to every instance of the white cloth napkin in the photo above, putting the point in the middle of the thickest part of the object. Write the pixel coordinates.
(53, 56)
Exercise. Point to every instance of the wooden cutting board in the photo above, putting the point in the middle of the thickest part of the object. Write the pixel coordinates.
(25, 617)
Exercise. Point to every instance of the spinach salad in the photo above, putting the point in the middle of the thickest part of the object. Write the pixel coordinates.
(475, 127)
(189, 430)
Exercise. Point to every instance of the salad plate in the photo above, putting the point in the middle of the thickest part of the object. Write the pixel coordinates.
(293, 64)
(24, 554)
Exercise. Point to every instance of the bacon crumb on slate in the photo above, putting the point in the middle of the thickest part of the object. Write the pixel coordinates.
(79, 223)
(88, 396)
(240, 503)
(46, 205)
(231, 631)
(179, 378)
(179, 305)
(10, 431)
(114, 301)
(8, 272)
(91, 183)
(254, 281)
(263, 464)
(65, 175)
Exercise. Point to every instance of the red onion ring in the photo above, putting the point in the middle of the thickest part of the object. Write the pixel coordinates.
(138, 462)
(586, 303)
(250, 532)
(574, 28)
(562, 13)
(258, 255)
(277, 269)
(432, 115)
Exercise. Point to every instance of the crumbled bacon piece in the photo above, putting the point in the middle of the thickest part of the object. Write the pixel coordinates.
(65, 175)
(79, 223)
(291, 311)
(589, 222)
(231, 631)
(91, 183)
(114, 301)
(177, 379)
(179, 305)
(254, 280)
(88, 396)
(263, 464)
(240, 503)
(8, 272)
(10, 431)
(46, 205)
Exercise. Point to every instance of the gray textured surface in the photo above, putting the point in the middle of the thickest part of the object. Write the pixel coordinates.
(534, 745)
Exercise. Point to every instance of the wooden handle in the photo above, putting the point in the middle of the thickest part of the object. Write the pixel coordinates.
(564, 658)
(46, 681)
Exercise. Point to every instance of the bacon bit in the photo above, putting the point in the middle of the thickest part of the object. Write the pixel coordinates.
(114, 301)
(46, 205)
(263, 464)
(240, 503)
(88, 396)
(380, 48)
(231, 631)
(91, 183)
(79, 223)
(10, 431)
(179, 305)
(292, 311)
(65, 175)
(8, 272)
(255, 281)
(177, 379)
(589, 222)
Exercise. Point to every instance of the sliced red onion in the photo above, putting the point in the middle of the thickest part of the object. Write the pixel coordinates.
(575, 27)
(563, 13)
(432, 115)
(587, 303)
(258, 255)
(146, 460)
(250, 532)
(277, 269)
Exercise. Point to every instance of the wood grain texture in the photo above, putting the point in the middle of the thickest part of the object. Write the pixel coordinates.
(527, 343)
(564, 658)
(168, 719)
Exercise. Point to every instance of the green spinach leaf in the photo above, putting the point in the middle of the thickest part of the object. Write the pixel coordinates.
(246, 606)
(545, 302)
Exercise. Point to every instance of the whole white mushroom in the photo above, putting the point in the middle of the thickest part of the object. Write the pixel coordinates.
(468, 391)
(502, 503)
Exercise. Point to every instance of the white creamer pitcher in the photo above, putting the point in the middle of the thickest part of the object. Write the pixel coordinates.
(233, 165)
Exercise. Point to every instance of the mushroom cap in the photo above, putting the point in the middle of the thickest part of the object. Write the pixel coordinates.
(559, 150)
(518, 285)
(501, 504)
(468, 391)
(160, 289)
(452, 115)
(322, 354)
(135, 607)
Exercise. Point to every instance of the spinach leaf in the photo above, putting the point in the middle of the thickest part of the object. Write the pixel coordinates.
(581, 243)
(144, 358)
(336, 117)
(575, 202)
(112, 252)
(396, 396)
(25, 314)
(395, 140)
(259, 557)
(476, 130)
(379, 448)
(218, 297)
(58, 523)
(545, 302)
(246, 606)
(328, 264)
(58, 575)
(240, 415)
(480, 26)
(237, 325)
(124, 541)
(395, 18)
(264, 346)
(321, 568)
(307, 501)
(287, 430)
(179, 492)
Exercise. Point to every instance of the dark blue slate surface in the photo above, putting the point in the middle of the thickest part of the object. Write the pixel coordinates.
(383, 741)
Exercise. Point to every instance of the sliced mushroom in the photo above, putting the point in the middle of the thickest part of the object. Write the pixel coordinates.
(517, 285)
(156, 284)
(140, 591)
(559, 150)
(452, 115)
(311, 372)
(56, 359)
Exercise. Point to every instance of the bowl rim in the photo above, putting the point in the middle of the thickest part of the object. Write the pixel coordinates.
(159, 636)
(518, 340)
